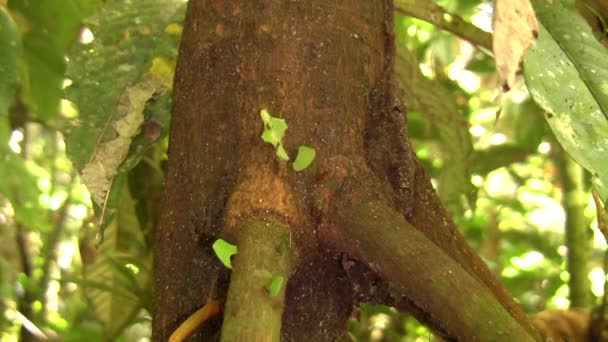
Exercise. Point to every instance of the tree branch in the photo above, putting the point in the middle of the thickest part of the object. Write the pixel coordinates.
(460, 305)
(254, 308)
(436, 15)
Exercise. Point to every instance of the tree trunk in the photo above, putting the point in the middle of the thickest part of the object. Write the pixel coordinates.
(363, 221)
(578, 234)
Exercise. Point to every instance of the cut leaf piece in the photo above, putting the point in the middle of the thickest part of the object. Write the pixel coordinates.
(275, 285)
(224, 251)
(282, 154)
(304, 158)
(274, 128)
(265, 116)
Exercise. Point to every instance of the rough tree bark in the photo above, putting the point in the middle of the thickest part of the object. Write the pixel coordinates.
(364, 223)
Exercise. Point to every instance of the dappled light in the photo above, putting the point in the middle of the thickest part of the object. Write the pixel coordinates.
(287, 143)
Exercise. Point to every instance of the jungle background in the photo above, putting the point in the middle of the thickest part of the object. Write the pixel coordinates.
(72, 270)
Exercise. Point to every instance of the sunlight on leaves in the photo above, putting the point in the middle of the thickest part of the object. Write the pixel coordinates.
(528, 261)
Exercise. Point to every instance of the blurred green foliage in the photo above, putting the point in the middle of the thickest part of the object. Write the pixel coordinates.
(65, 68)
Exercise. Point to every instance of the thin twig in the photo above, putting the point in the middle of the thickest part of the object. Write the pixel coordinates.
(431, 12)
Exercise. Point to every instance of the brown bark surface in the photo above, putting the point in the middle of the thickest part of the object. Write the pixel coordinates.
(325, 67)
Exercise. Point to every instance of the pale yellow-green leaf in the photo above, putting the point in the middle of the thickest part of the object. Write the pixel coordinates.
(304, 158)
(164, 69)
(282, 154)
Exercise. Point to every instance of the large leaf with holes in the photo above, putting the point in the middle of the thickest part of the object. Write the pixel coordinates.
(127, 67)
(566, 72)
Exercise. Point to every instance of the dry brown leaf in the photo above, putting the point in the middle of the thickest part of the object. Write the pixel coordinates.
(515, 29)
(563, 325)
(98, 174)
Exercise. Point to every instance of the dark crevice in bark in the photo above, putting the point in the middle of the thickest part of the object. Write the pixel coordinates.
(319, 300)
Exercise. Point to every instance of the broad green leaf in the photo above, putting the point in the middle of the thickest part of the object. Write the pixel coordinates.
(224, 251)
(5, 136)
(275, 286)
(44, 74)
(58, 20)
(126, 42)
(304, 158)
(125, 69)
(10, 45)
(117, 275)
(48, 28)
(566, 72)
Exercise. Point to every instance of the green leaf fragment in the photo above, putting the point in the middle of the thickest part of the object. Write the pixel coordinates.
(304, 158)
(274, 135)
(224, 251)
(275, 285)
(274, 128)
(268, 137)
(282, 154)
(278, 127)
(265, 116)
